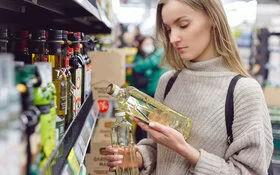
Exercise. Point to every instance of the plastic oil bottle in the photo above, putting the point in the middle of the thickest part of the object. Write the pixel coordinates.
(121, 138)
(4, 129)
(138, 104)
(14, 124)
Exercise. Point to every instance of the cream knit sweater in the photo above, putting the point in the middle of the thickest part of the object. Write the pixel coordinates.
(200, 93)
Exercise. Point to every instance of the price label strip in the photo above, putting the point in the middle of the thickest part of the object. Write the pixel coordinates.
(73, 162)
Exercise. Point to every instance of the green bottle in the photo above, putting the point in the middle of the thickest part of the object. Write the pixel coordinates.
(26, 82)
(43, 99)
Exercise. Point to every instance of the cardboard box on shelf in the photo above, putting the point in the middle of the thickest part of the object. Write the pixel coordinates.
(102, 131)
(96, 161)
(107, 67)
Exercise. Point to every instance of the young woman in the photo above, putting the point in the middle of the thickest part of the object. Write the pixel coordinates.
(197, 40)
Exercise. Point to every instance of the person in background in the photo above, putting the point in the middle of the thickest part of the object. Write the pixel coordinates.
(198, 42)
(137, 37)
(147, 69)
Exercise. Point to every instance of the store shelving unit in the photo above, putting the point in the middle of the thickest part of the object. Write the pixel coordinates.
(71, 15)
(73, 145)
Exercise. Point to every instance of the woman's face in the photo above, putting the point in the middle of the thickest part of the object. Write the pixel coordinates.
(189, 31)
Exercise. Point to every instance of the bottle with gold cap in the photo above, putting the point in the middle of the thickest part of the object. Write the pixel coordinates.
(122, 139)
(138, 104)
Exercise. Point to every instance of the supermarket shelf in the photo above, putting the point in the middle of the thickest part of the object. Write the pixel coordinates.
(72, 15)
(79, 132)
(75, 162)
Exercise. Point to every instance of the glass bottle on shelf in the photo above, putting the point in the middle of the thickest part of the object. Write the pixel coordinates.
(76, 71)
(77, 63)
(22, 47)
(38, 46)
(43, 99)
(66, 70)
(14, 124)
(138, 104)
(27, 80)
(122, 139)
(59, 80)
(4, 39)
(4, 113)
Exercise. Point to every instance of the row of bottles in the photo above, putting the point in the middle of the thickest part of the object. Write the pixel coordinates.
(51, 71)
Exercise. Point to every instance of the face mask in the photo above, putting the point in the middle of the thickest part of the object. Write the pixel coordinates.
(148, 49)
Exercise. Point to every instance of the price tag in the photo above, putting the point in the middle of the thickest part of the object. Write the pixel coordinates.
(73, 162)
(81, 143)
(67, 170)
(78, 151)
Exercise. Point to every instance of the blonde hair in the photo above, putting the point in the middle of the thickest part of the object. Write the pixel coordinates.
(224, 43)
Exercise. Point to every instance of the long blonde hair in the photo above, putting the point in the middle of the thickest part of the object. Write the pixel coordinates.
(224, 43)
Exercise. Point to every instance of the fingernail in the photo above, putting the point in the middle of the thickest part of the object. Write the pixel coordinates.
(120, 156)
(151, 124)
(115, 150)
(114, 168)
(119, 162)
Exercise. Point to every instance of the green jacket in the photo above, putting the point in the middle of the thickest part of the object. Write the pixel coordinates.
(150, 69)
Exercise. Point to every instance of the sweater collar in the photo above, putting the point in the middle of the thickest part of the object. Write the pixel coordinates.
(216, 64)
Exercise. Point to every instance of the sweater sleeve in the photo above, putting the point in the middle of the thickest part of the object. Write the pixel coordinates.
(252, 146)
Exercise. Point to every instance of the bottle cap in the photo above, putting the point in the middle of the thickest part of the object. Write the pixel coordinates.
(39, 35)
(55, 35)
(119, 113)
(113, 89)
(3, 33)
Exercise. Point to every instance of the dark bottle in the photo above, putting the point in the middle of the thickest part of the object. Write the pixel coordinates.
(4, 39)
(76, 71)
(38, 46)
(88, 45)
(59, 77)
(77, 53)
(22, 47)
(66, 70)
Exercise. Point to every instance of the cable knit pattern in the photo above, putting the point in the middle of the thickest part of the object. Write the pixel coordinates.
(200, 93)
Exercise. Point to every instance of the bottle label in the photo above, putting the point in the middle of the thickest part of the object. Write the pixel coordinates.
(87, 85)
(63, 96)
(78, 88)
(61, 100)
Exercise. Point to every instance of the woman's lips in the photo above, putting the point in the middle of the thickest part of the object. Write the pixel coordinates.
(180, 49)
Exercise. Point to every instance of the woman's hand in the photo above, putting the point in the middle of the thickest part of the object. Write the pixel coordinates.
(117, 156)
(170, 138)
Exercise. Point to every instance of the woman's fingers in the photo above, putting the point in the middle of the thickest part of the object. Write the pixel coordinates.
(114, 163)
(113, 158)
(111, 150)
(112, 169)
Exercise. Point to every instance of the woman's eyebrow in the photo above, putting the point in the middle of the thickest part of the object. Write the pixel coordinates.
(176, 20)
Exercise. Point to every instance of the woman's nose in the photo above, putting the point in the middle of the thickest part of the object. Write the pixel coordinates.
(174, 37)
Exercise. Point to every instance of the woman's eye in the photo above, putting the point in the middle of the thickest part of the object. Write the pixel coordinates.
(184, 26)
